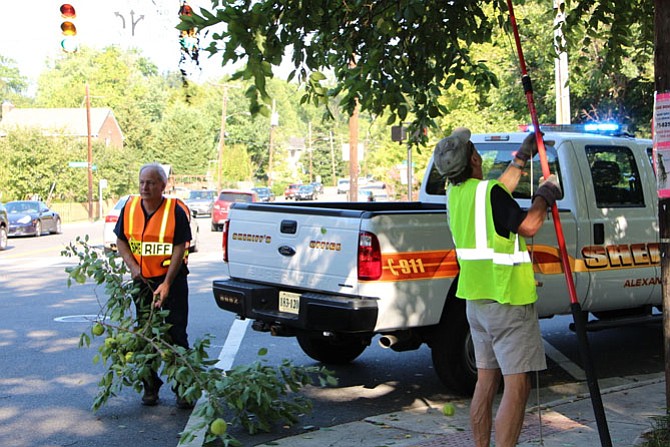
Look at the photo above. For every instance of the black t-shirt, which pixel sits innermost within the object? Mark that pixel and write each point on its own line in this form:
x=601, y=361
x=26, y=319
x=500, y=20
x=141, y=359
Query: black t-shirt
x=182, y=229
x=507, y=214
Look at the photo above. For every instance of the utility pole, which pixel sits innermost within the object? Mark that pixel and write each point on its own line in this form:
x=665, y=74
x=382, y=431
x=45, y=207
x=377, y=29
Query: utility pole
x=222, y=135
x=89, y=168
x=353, y=145
x=332, y=157
x=274, y=122
x=353, y=155
x=309, y=148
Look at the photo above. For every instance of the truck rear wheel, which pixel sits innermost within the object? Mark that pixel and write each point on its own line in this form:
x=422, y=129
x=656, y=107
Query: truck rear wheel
x=333, y=350
x=453, y=352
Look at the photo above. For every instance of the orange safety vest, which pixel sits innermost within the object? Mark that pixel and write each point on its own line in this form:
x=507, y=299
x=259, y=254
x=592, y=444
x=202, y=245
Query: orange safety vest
x=151, y=242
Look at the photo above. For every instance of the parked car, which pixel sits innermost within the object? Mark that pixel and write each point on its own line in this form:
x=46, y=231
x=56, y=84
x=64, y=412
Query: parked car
x=31, y=218
x=365, y=195
x=378, y=190
x=109, y=237
x=201, y=201
x=318, y=187
x=291, y=190
x=306, y=192
x=4, y=226
x=223, y=203
x=264, y=194
x=343, y=186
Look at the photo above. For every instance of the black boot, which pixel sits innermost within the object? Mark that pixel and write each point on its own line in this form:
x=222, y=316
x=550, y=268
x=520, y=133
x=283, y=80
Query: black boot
x=151, y=387
x=184, y=403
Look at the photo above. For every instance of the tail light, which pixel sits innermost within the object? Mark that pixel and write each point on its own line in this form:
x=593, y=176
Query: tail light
x=369, y=257
x=111, y=218
x=224, y=240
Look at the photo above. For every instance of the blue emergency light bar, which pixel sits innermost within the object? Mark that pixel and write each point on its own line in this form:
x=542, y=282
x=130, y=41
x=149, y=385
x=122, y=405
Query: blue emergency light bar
x=599, y=128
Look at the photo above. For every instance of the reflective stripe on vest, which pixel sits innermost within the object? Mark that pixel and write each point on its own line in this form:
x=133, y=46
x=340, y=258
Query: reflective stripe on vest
x=482, y=251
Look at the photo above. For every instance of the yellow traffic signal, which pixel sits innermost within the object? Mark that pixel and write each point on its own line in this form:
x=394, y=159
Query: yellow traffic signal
x=70, y=43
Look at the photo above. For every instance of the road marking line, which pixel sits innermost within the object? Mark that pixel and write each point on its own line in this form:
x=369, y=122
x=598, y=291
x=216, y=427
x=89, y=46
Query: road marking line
x=568, y=365
x=25, y=254
x=232, y=344
x=226, y=359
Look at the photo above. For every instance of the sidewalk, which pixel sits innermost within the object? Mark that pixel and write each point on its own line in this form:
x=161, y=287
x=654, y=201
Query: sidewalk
x=566, y=421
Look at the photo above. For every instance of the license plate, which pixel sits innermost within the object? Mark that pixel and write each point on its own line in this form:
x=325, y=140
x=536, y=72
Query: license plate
x=289, y=302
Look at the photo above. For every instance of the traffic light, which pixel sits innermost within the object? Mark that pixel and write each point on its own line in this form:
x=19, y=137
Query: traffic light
x=189, y=42
x=70, y=42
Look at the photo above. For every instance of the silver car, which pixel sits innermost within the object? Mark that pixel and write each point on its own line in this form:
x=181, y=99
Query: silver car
x=200, y=202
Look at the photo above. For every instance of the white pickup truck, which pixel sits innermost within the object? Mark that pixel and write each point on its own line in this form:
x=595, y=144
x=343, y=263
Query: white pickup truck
x=336, y=275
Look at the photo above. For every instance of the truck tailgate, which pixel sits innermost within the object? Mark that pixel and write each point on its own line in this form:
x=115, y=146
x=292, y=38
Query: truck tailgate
x=311, y=248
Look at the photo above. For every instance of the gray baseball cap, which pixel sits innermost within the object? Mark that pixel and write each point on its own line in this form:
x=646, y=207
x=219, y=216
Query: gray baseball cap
x=451, y=153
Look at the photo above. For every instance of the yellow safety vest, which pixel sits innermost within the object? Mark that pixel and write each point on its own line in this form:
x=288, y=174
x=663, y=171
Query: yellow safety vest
x=491, y=266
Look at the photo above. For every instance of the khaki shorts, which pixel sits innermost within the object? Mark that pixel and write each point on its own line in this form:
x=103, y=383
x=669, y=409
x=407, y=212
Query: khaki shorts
x=506, y=337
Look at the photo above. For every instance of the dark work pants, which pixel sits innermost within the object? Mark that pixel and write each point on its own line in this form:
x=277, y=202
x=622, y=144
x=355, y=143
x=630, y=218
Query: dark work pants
x=176, y=303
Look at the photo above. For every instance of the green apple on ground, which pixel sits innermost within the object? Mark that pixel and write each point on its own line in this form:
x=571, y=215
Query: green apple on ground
x=448, y=409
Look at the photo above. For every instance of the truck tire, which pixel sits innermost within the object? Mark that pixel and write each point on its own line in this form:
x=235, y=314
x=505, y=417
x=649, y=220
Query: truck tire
x=452, y=350
x=337, y=350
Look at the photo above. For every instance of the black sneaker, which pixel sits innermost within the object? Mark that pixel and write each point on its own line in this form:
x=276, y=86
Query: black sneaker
x=184, y=403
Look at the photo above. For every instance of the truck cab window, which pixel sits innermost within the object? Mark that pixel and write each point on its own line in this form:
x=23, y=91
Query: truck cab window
x=615, y=176
x=495, y=159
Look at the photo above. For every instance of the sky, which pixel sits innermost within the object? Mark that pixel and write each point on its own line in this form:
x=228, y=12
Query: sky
x=33, y=37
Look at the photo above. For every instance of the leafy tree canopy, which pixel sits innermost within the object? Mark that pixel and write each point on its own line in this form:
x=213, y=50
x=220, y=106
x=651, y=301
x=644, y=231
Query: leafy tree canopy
x=12, y=83
x=395, y=57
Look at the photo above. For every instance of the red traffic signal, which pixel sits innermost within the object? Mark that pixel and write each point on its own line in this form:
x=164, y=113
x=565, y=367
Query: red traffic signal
x=185, y=10
x=67, y=11
x=68, y=28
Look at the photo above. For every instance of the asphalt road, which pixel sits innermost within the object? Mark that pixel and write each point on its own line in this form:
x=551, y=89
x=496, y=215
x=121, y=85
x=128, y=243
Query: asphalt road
x=47, y=383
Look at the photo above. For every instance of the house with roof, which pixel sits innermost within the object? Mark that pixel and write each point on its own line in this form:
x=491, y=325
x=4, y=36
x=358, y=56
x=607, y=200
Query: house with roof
x=64, y=123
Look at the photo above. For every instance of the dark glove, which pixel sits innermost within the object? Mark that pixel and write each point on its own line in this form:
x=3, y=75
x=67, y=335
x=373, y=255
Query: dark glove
x=549, y=190
x=528, y=148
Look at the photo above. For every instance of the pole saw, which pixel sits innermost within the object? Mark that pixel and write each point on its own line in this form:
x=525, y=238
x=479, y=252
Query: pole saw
x=578, y=316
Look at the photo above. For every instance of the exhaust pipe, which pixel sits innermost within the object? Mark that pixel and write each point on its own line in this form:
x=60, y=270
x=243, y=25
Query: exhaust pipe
x=386, y=341
x=401, y=341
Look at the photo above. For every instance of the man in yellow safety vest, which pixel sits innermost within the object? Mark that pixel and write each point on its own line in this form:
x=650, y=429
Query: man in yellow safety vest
x=496, y=278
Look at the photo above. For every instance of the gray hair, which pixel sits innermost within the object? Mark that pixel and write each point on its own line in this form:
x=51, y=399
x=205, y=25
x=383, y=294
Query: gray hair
x=158, y=169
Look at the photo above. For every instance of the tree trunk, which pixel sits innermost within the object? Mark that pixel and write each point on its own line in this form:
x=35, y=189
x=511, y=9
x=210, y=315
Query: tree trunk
x=662, y=81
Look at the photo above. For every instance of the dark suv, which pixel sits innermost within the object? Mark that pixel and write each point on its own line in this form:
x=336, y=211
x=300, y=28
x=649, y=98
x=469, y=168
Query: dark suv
x=4, y=226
